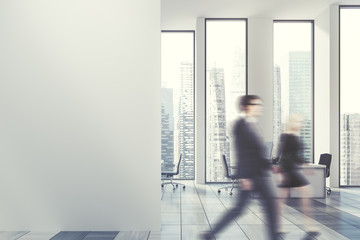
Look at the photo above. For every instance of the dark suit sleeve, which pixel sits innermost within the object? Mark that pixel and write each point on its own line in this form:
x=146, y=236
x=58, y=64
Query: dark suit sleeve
x=242, y=141
x=249, y=151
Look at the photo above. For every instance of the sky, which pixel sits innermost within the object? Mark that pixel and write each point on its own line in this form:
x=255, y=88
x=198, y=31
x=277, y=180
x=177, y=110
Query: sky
x=226, y=48
x=175, y=48
x=349, y=60
x=289, y=37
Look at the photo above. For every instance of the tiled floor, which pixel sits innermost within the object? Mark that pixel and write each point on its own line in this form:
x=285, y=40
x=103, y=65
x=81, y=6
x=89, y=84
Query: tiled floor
x=185, y=213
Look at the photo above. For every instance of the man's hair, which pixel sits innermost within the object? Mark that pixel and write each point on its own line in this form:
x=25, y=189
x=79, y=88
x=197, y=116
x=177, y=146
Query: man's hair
x=246, y=100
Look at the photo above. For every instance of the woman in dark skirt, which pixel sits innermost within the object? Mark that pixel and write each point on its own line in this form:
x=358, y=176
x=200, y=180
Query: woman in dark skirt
x=290, y=154
x=290, y=160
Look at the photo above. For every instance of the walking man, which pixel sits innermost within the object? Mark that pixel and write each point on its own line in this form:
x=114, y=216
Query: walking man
x=253, y=169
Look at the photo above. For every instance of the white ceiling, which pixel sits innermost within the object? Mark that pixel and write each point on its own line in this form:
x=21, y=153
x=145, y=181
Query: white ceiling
x=175, y=11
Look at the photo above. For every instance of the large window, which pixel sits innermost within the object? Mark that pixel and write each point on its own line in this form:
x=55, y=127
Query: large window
x=177, y=102
x=293, y=79
x=226, y=41
x=349, y=96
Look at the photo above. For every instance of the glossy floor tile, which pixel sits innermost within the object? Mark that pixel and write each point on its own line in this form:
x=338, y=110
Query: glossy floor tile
x=185, y=213
x=7, y=235
x=70, y=235
x=33, y=235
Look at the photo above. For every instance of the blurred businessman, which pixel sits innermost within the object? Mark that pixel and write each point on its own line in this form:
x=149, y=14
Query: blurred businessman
x=253, y=169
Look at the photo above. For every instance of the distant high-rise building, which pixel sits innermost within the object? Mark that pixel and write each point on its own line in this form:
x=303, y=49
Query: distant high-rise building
x=236, y=85
x=300, y=96
x=235, y=88
x=167, y=129
x=216, y=124
x=186, y=127
x=350, y=149
x=277, y=129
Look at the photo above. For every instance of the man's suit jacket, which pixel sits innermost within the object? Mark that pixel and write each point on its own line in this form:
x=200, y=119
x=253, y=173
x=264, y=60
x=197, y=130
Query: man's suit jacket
x=249, y=150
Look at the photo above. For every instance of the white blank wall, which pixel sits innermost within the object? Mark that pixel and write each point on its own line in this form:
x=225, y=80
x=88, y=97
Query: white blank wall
x=322, y=85
x=260, y=68
x=334, y=96
x=80, y=115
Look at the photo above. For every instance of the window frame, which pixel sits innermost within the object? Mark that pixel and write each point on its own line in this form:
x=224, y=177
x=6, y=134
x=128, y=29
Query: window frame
x=194, y=90
x=339, y=81
x=312, y=74
x=205, y=74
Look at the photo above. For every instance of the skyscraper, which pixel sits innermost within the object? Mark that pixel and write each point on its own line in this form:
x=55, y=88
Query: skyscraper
x=236, y=85
x=300, y=95
x=277, y=129
x=216, y=124
x=350, y=149
x=234, y=88
x=186, y=125
x=167, y=129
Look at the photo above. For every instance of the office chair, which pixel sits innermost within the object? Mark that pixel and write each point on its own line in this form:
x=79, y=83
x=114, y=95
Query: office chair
x=325, y=159
x=228, y=175
x=169, y=175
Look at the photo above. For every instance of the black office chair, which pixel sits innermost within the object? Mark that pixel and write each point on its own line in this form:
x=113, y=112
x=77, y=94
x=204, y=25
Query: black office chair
x=169, y=175
x=325, y=159
x=228, y=175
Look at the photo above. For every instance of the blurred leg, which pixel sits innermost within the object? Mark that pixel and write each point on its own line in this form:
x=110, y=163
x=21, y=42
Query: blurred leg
x=284, y=193
x=233, y=213
x=306, y=206
x=266, y=189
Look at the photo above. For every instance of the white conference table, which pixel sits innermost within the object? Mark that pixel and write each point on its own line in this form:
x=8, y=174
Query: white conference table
x=314, y=173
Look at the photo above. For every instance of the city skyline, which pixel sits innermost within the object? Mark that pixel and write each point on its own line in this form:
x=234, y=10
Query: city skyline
x=350, y=149
x=293, y=44
x=349, y=107
x=225, y=82
x=293, y=79
x=218, y=123
x=177, y=75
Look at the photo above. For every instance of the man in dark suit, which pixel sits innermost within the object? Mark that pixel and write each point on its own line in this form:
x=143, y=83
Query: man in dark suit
x=253, y=169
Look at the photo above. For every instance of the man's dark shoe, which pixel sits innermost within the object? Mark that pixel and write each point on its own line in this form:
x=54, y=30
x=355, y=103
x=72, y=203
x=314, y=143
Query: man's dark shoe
x=313, y=233
x=206, y=236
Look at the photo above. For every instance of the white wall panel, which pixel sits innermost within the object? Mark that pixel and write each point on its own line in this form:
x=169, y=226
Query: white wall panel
x=80, y=115
x=260, y=68
x=322, y=85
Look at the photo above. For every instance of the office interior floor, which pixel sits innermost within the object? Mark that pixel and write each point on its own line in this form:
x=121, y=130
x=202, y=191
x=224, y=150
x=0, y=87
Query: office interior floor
x=187, y=212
